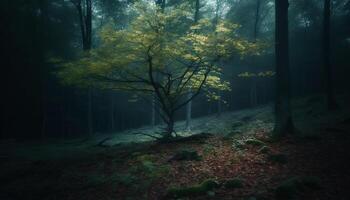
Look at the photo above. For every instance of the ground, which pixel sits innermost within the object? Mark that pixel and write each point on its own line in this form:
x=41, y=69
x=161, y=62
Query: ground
x=236, y=153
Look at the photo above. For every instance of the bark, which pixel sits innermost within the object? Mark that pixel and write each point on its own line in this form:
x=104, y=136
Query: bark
x=331, y=103
x=257, y=17
x=90, y=113
x=283, y=119
x=189, y=105
x=112, y=112
x=253, y=93
x=219, y=104
x=85, y=19
x=189, y=112
x=153, y=114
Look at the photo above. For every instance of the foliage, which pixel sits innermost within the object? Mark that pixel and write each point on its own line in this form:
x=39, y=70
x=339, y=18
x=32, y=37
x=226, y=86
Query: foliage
x=159, y=54
x=263, y=74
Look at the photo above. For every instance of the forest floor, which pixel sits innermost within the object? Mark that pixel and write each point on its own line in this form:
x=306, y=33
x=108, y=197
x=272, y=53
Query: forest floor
x=234, y=159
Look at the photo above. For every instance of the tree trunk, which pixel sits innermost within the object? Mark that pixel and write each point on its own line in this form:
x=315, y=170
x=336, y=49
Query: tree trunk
x=331, y=103
x=220, y=104
x=90, y=113
x=189, y=105
x=112, y=112
x=170, y=129
x=253, y=93
x=283, y=117
x=153, y=117
x=85, y=20
x=257, y=17
x=189, y=112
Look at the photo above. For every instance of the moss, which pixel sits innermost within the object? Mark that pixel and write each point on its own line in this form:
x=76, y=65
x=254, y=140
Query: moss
x=146, y=157
x=254, y=142
x=234, y=183
x=278, y=158
x=208, y=149
x=264, y=149
x=201, y=189
x=290, y=188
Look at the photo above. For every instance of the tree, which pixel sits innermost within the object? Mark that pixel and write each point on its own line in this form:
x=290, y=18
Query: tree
x=84, y=9
x=331, y=103
x=189, y=105
x=153, y=46
x=283, y=116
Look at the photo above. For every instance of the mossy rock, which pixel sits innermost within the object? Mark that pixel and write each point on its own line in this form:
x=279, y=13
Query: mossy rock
x=254, y=142
x=264, y=149
x=234, y=183
x=291, y=188
x=204, y=188
x=184, y=155
x=278, y=158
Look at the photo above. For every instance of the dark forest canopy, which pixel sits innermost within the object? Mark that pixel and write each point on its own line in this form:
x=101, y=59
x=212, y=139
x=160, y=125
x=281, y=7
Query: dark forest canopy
x=36, y=32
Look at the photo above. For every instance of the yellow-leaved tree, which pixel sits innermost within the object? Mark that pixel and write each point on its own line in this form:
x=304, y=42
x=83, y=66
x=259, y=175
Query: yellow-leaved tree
x=160, y=54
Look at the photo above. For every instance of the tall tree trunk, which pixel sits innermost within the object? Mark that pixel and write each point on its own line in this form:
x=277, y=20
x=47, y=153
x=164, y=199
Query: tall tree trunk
x=189, y=112
x=112, y=112
x=219, y=104
x=153, y=113
x=253, y=93
x=283, y=117
x=257, y=17
x=253, y=87
x=189, y=105
x=331, y=103
x=90, y=112
x=84, y=10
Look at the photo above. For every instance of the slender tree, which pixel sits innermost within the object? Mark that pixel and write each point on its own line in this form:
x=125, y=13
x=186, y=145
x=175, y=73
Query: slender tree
x=331, y=103
x=189, y=105
x=84, y=9
x=283, y=116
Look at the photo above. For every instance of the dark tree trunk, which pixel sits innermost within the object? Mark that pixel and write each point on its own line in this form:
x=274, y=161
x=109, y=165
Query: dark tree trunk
x=257, y=17
x=283, y=117
x=253, y=93
x=189, y=105
x=90, y=112
x=112, y=112
x=85, y=19
x=331, y=103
